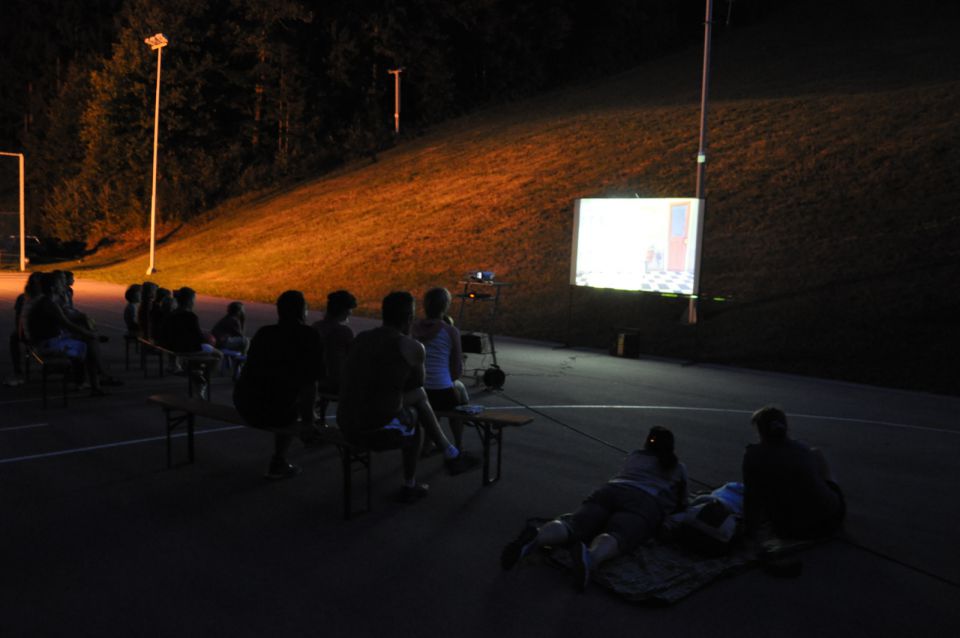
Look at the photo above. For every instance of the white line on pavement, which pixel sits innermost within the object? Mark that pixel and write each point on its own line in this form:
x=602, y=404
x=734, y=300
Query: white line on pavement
x=24, y=427
x=90, y=448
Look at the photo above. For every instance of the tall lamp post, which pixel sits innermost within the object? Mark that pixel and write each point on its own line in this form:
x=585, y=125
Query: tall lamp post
x=156, y=43
x=396, y=98
x=702, y=152
x=23, y=246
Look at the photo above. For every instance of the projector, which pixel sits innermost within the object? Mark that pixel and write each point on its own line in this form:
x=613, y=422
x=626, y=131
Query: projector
x=482, y=275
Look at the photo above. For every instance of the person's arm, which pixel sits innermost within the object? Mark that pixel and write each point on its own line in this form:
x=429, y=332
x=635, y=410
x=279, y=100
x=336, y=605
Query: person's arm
x=415, y=356
x=70, y=326
x=456, y=352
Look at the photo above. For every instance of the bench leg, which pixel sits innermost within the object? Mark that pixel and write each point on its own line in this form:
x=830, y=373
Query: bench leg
x=175, y=420
x=43, y=385
x=490, y=436
x=349, y=458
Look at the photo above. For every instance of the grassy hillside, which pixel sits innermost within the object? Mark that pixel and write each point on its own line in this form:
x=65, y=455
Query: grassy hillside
x=832, y=225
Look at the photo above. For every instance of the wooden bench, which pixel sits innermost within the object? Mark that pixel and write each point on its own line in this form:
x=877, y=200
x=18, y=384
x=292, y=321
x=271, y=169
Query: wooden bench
x=196, y=364
x=181, y=410
x=50, y=363
x=489, y=425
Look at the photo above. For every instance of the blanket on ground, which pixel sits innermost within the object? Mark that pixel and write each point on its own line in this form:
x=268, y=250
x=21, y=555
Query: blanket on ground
x=663, y=573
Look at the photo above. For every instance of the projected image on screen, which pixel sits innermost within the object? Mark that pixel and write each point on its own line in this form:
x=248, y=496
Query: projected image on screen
x=637, y=244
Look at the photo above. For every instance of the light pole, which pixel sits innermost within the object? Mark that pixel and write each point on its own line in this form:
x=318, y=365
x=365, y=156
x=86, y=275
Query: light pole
x=156, y=43
x=396, y=98
x=23, y=246
x=702, y=152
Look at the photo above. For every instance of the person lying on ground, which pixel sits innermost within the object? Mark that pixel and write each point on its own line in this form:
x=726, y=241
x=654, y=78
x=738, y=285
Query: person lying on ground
x=617, y=517
x=383, y=404
x=787, y=484
x=278, y=383
x=444, y=358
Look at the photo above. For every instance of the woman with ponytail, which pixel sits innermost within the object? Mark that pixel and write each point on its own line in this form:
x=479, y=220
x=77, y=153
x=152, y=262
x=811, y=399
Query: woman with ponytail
x=623, y=513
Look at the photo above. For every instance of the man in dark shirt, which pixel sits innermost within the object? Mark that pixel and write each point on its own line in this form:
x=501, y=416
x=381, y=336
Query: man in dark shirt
x=278, y=382
x=787, y=484
x=180, y=330
x=382, y=401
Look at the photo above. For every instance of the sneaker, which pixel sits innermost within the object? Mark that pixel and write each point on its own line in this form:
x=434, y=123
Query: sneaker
x=12, y=382
x=580, y=556
x=110, y=381
x=281, y=469
x=413, y=494
x=518, y=548
x=463, y=462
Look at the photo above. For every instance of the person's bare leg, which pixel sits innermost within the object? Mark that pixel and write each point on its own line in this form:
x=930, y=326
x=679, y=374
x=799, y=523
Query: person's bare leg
x=428, y=420
x=456, y=428
x=411, y=454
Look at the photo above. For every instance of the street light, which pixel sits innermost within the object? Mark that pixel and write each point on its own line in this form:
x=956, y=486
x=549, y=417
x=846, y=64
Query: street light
x=23, y=247
x=396, y=98
x=156, y=43
x=702, y=151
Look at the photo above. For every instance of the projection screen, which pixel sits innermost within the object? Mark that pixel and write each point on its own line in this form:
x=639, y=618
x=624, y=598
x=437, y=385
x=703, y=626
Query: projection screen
x=637, y=244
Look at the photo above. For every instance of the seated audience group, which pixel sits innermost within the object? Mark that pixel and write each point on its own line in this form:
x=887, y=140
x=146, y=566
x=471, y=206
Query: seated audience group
x=389, y=381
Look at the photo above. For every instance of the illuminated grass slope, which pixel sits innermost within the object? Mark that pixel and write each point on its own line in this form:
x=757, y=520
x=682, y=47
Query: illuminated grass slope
x=832, y=221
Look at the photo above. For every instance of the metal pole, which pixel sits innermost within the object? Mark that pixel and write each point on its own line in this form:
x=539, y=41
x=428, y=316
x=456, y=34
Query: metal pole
x=23, y=244
x=702, y=152
x=153, y=196
x=396, y=98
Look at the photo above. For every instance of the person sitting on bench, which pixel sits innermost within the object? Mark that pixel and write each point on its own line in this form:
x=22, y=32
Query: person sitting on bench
x=132, y=296
x=787, y=484
x=180, y=330
x=51, y=332
x=31, y=292
x=444, y=363
x=336, y=337
x=623, y=513
x=148, y=295
x=382, y=401
x=278, y=383
x=229, y=331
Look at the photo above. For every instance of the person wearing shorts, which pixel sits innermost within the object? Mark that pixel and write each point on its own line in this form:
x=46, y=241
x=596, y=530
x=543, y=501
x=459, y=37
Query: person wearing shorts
x=617, y=517
x=444, y=358
x=383, y=403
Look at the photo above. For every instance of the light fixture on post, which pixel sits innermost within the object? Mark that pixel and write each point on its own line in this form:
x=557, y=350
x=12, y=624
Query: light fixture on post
x=156, y=43
x=396, y=98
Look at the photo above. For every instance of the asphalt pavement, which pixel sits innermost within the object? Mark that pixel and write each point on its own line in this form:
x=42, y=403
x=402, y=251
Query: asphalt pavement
x=100, y=538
